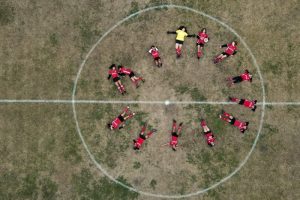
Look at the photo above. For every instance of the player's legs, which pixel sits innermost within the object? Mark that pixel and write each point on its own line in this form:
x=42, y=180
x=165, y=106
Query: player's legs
x=174, y=126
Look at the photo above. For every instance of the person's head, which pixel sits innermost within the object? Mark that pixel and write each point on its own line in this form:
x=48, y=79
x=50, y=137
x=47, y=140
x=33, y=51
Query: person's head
x=152, y=47
x=113, y=66
x=120, y=66
x=135, y=148
x=246, y=71
x=109, y=126
x=203, y=30
x=212, y=144
x=183, y=28
x=235, y=43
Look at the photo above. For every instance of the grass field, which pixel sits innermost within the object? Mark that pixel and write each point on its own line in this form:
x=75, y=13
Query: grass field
x=43, y=44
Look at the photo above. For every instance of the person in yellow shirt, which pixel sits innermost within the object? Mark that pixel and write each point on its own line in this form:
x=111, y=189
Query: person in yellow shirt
x=181, y=33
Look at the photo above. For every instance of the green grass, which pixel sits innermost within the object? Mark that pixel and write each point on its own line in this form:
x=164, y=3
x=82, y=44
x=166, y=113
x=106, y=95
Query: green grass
x=7, y=13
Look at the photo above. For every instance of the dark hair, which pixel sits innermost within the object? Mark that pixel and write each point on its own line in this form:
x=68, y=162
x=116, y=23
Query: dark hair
x=152, y=46
x=236, y=43
x=113, y=65
x=108, y=125
x=247, y=71
x=120, y=66
x=203, y=30
x=182, y=27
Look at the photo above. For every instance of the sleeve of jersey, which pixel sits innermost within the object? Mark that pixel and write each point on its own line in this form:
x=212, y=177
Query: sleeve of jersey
x=150, y=51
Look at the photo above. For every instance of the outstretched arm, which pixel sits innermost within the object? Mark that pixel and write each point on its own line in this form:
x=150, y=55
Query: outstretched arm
x=171, y=32
x=193, y=35
x=108, y=76
x=234, y=52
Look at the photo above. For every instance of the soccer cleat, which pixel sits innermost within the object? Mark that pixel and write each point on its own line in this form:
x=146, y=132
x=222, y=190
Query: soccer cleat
x=154, y=130
x=199, y=54
x=180, y=123
x=174, y=121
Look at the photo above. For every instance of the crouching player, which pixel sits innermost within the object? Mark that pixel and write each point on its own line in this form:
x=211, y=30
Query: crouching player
x=113, y=72
x=137, y=144
x=126, y=71
x=246, y=76
x=245, y=102
x=210, y=138
x=175, y=134
x=119, y=122
x=155, y=54
x=233, y=121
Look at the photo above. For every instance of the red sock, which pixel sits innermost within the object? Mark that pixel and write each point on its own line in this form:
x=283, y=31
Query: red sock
x=150, y=133
x=174, y=127
x=226, y=114
x=122, y=87
x=233, y=99
x=143, y=129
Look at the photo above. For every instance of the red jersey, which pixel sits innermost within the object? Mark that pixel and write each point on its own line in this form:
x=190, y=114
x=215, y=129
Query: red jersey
x=201, y=37
x=238, y=124
x=116, y=123
x=113, y=73
x=154, y=52
x=124, y=70
x=174, y=140
x=230, y=49
x=246, y=76
x=209, y=138
x=139, y=142
x=248, y=103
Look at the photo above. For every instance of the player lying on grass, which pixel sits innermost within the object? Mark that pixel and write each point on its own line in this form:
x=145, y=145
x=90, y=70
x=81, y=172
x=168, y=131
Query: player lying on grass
x=231, y=49
x=137, y=144
x=181, y=33
x=113, y=72
x=202, y=38
x=233, y=121
x=119, y=122
x=175, y=134
x=155, y=54
x=210, y=138
x=126, y=71
x=245, y=102
x=246, y=76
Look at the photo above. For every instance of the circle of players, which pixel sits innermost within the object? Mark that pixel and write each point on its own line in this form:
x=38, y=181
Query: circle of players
x=202, y=38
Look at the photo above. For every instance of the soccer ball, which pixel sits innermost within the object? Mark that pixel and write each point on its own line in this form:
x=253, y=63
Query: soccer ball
x=205, y=40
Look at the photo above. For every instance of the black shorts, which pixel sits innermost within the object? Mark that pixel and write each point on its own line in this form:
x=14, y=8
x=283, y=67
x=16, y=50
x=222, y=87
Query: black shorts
x=157, y=58
x=201, y=45
x=121, y=118
x=116, y=79
x=242, y=101
x=142, y=136
x=232, y=121
x=237, y=79
x=179, y=42
x=225, y=54
x=207, y=132
x=131, y=74
x=174, y=134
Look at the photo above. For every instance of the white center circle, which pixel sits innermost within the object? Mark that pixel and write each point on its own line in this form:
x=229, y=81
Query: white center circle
x=167, y=102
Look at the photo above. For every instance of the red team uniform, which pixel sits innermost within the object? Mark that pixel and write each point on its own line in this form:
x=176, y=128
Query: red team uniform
x=137, y=144
x=246, y=76
x=235, y=122
x=113, y=72
x=202, y=38
x=230, y=49
x=175, y=134
x=245, y=102
x=155, y=53
x=210, y=138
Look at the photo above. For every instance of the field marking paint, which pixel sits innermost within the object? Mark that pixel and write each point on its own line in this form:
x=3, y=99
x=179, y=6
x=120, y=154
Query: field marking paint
x=161, y=195
x=61, y=101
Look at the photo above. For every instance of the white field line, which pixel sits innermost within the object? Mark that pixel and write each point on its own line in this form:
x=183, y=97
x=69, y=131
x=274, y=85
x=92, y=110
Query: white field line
x=60, y=101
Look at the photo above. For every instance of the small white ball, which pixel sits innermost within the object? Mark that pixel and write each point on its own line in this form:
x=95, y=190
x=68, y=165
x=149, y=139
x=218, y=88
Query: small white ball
x=167, y=102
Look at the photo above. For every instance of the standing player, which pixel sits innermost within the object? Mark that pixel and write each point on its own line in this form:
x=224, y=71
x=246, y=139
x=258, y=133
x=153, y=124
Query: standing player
x=137, y=144
x=181, y=33
x=155, y=54
x=233, y=121
x=246, y=76
x=231, y=49
x=210, y=138
x=175, y=134
x=113, y=72
x=126, y=71
x=119, y=122
x=245, y=102
x=202, y=38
